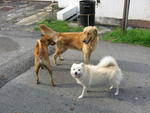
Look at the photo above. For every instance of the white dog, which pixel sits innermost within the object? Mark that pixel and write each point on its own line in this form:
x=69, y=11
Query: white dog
x=107, y=71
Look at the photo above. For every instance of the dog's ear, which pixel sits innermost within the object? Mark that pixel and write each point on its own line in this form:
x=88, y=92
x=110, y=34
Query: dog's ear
x=46, y=36
x=42, y=40
x=82, y=64
x=47, y=30
x=95, y=30
x=73, y=64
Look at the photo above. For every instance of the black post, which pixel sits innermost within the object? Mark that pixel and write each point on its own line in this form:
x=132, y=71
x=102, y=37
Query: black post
x=125, y=15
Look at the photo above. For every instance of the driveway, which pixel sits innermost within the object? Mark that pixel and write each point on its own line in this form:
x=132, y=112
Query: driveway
x=23, y=95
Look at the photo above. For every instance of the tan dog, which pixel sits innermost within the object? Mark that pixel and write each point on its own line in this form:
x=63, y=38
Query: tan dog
x=83, y=41
x=41, y=57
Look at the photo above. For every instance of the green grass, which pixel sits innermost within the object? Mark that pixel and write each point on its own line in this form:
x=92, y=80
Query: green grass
x=59, y=26
x=132, y=36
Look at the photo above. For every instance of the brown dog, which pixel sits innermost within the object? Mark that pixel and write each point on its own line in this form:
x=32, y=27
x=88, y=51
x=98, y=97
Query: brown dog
x=41, y=58
x=84, y=41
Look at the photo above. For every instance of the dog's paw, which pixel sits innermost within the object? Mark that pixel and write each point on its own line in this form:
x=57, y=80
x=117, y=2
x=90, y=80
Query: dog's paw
x=37, y=82
x=111, y=87
x=54, y=85
x=80, y=97
x=60, y=63
x=61, y=59
x=55, y=64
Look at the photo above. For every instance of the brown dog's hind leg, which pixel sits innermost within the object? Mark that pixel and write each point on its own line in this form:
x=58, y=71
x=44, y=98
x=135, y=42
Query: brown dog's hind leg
x=36, y=68
x=48, y=67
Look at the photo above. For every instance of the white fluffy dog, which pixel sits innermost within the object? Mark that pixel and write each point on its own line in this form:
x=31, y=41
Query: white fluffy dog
x=107, y=71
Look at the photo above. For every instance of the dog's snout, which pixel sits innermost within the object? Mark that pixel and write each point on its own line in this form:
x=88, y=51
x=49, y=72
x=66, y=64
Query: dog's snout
x=76, y=73
x=85, y=41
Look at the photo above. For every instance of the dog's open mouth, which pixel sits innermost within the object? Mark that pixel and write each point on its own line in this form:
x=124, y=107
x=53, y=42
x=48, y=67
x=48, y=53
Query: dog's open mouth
x=77, y=75
x=86, y=41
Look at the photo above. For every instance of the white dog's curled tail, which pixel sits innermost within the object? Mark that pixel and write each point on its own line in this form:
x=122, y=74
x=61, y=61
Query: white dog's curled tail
x=107, y=62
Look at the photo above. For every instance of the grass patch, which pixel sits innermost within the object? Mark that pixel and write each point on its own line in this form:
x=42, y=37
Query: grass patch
x=132, y=36
x=59, y=26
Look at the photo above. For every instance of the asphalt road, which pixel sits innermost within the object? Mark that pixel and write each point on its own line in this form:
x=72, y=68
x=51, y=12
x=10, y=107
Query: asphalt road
x=23, y=95
x=16, y=53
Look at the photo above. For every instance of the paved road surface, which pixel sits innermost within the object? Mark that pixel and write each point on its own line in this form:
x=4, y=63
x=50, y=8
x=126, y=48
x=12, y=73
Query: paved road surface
x=23, y=95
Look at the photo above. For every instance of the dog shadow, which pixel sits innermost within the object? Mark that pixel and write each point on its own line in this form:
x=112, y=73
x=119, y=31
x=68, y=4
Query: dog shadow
x=67, y=85
x=134, y=67
x=45, y=84
x=61, y=85
x=135, y=95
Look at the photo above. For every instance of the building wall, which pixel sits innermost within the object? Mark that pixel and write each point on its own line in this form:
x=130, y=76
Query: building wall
x=66, y=3
x=139, y=9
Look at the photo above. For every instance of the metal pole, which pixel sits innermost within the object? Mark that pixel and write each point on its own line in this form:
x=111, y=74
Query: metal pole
x=125, y=14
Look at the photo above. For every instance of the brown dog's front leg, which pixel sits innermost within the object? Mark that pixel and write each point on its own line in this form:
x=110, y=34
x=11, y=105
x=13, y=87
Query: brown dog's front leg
x=86, y=57
x=55, y=58
x=57, y=53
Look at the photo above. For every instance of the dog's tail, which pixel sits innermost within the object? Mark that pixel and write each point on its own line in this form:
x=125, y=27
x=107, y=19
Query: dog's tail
x=40, y=47
x=107, y=61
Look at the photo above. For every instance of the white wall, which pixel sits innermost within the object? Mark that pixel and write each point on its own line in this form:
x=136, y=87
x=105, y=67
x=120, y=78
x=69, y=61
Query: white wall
x=139, y=9
x=109, y=8
x=65, y=3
